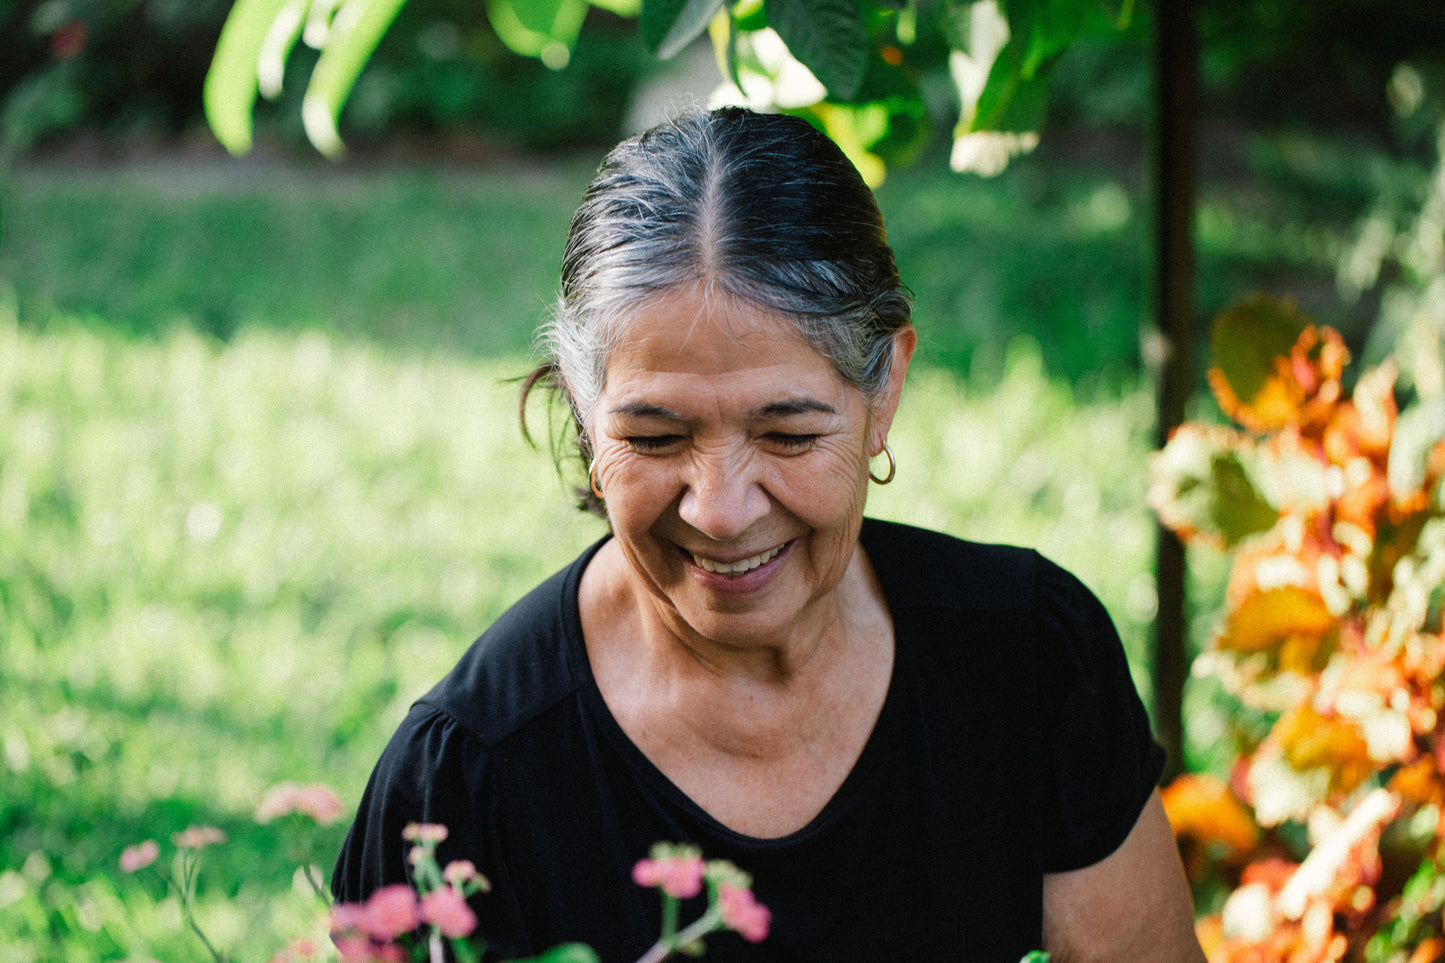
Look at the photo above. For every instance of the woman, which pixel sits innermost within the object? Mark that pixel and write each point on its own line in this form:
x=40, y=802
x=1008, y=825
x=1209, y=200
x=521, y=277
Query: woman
x=920, y=748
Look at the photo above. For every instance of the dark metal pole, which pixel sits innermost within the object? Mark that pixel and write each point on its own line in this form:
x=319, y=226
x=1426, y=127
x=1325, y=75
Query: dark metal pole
x=1176, y=59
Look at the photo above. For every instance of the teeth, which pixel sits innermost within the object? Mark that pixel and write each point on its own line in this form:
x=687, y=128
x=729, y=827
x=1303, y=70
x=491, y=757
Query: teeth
x=736, y=568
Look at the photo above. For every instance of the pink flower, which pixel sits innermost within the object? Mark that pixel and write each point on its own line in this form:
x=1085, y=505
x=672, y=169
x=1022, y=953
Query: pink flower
x=391, y=911
x=279, y=801
x=321, y=804
x=301, y=948
x=459, y=872
x=424, y=833
x=138, y=857
x=448, y=911
x=198, y=837
x=743, y=913
x=348, y=918
x=315, y=801
x=354, y=949
x=679, y=876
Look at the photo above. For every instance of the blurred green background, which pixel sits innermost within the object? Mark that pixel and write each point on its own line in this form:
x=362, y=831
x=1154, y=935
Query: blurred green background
x=261, y=478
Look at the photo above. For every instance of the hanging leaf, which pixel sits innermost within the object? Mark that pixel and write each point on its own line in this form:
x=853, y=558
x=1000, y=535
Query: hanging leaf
x=1011, y=101
x=668, y=26
x=1043, y=29
x=229, y=95
x=354, y=34
x=826, y=36
x=276, y=48
x=545, y=29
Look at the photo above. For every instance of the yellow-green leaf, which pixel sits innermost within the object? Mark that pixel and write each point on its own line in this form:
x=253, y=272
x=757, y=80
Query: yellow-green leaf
x=545, y=29
x=1249, y=337
x=355, y=32
x=229, y=94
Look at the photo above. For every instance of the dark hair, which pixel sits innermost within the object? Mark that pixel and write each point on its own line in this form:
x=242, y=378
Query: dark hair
x=761, y=207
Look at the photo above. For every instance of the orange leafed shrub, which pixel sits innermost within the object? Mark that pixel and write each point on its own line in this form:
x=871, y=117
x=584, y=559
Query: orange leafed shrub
x=1328, y=839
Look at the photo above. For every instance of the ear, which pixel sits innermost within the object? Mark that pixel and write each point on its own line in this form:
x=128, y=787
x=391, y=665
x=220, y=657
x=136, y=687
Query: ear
x=905, y=339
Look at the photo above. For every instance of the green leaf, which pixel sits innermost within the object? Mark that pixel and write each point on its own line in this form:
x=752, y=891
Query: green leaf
x=1247, y=338
x=669, y=25
x=1043, y=29
x=1010, y=100
x=566, y=953
x=229, y=95
x=546, y=29
x=277, y=46
x=749, y=15
x=1203, y=483
x=355, y=32
x=826, y=36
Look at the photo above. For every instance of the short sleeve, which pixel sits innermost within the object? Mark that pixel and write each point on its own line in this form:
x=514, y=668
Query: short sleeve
x=1100, y=759
x=430, y=772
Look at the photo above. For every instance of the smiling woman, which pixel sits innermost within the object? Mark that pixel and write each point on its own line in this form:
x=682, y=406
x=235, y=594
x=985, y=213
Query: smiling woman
x=921, y=748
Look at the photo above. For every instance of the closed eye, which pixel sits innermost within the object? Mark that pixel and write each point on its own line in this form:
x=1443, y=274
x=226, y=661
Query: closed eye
x=652, y=443
x=791, y=442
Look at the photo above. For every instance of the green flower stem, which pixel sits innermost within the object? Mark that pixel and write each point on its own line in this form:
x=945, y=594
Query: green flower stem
x=183, y=890
x=669, y=917
x=668, y=944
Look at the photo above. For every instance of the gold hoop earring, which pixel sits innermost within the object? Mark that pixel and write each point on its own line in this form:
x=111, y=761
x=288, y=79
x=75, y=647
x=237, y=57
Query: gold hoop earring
x=892, y=467
x=592, y=478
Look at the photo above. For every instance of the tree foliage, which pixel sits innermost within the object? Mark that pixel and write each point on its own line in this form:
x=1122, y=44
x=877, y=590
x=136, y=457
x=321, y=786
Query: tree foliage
x=850, y=66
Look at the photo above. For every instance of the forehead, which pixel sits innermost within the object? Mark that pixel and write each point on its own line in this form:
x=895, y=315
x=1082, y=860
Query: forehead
x=692, y=331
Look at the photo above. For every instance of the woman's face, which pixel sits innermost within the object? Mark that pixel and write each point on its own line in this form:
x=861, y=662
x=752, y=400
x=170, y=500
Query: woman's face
x=734, y=463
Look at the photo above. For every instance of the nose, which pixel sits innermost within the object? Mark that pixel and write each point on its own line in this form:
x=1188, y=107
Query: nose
x=723, y=496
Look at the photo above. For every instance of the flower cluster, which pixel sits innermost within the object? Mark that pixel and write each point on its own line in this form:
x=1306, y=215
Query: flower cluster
x=315, y=802
x=1332, y=504
x=679, y=873
x=438, y=904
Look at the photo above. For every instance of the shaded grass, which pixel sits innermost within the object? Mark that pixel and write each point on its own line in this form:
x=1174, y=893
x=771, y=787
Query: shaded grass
x=423, y=259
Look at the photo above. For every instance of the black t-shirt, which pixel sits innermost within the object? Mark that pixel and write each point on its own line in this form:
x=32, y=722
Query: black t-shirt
x=1011, y=743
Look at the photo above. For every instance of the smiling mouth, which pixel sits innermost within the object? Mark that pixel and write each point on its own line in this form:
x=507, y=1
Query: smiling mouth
x=739, y=567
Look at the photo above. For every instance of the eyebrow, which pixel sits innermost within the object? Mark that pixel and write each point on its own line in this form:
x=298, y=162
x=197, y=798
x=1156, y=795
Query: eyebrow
x=643, y=409
x=773, y=409
x=795, y=406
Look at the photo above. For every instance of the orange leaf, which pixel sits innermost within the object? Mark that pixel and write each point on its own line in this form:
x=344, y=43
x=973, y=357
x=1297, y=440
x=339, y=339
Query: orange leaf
x=1312, y=741
x=1202, y=807
x=1287, y=618
x=1419, y=782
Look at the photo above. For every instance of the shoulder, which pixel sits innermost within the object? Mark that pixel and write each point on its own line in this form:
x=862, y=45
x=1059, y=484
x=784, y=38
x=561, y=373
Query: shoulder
x=918, y=564
x=523, y=664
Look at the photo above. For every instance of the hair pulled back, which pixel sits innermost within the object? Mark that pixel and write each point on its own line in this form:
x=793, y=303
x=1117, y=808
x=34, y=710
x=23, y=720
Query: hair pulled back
x=759, y=207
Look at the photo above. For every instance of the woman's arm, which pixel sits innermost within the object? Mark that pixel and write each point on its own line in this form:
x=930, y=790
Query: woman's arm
x=1132, y=905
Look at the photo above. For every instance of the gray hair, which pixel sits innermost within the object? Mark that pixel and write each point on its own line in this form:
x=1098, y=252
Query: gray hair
x=753, y=206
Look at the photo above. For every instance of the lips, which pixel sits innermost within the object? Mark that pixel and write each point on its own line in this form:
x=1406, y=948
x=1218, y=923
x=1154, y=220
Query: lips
x=739, y=567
